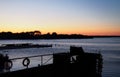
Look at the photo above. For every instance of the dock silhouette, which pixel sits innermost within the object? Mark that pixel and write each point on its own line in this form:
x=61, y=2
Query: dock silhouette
x=75, y=63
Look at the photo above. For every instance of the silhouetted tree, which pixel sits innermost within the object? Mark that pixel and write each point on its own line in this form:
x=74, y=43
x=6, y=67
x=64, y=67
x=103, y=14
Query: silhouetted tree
x=54, y=34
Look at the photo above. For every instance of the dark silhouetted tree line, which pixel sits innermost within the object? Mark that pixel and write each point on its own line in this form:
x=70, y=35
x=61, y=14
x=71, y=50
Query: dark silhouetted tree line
x=38, y=35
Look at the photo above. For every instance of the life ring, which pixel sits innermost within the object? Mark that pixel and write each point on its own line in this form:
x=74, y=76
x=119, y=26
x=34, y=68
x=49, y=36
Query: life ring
x=8, y=64
x=26, y=62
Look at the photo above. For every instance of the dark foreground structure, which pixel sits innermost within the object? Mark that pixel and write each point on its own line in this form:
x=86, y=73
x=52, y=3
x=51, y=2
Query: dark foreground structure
x=76, y=63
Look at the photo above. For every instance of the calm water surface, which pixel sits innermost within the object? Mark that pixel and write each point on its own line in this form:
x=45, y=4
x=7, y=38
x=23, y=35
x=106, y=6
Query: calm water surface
x=109, y=47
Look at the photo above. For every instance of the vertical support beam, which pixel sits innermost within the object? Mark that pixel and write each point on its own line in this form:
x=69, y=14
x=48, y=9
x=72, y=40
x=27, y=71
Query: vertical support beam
x=41, y=60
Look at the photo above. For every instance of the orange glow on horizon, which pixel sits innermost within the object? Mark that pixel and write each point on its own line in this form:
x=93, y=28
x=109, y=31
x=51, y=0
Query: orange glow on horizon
x=65, y=31
x=87, y=29
x=69, y=32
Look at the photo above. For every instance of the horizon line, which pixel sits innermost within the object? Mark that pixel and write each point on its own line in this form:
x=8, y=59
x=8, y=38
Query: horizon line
x=65, y=33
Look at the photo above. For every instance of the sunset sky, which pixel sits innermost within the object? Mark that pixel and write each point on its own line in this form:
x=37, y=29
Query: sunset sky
x=89, y=17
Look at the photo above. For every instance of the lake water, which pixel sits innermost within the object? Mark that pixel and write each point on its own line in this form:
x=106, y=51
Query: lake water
x=109, y=47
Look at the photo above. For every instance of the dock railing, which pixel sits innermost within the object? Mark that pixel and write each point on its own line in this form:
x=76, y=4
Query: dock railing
x=26, y=61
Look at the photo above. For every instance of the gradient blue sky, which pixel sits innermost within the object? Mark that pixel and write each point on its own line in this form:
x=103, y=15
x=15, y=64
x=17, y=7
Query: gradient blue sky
x=91, y=17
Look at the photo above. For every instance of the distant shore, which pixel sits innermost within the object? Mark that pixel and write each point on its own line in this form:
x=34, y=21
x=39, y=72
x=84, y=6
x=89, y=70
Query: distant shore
x=38, y=35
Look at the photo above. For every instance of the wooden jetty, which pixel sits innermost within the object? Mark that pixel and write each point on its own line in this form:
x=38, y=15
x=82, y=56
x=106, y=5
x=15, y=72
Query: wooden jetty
x=75, y=63
x=24, y=45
